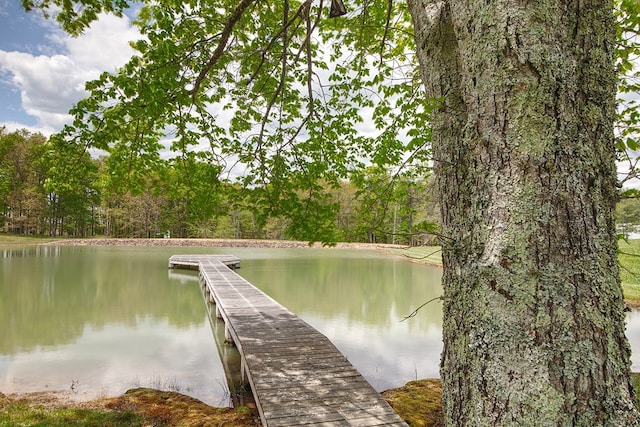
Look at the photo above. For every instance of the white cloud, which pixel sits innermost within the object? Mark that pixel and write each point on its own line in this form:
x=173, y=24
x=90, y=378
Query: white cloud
x=50, y=85
x=13, y=126
x=105, y=46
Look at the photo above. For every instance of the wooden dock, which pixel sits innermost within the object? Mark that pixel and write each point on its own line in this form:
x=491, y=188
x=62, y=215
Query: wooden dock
x=297, y=376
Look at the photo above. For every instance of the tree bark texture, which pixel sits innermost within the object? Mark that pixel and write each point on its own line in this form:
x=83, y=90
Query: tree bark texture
x=525, y=164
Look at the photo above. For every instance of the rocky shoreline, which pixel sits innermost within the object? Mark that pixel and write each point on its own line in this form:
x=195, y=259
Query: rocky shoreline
x=220, y=243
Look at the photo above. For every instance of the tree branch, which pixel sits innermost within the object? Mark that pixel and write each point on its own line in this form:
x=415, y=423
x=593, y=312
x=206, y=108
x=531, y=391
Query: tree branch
x=222, y=44
x=307, y=45
x=415, y=312
x=303, y=7
x=386, y=30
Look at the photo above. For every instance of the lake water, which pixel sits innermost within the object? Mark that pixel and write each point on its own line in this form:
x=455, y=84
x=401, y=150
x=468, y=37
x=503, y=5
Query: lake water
x=96, y=321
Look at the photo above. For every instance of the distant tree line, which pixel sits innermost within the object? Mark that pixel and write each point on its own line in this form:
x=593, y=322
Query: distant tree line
x=47, y=189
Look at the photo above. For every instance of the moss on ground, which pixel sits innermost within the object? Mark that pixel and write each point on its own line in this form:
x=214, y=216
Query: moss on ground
x=137, y=407
x=418, y=402
x=175, y=409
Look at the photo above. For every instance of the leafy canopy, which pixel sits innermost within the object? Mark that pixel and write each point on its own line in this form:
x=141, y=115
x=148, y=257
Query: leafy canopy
x=282, y=98
x=286, y=100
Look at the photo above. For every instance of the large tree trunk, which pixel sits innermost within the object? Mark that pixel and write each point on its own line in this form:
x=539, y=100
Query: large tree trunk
x=524, y=158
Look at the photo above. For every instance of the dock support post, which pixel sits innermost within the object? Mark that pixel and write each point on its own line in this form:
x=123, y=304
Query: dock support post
x=227, y=334
x=243, y=371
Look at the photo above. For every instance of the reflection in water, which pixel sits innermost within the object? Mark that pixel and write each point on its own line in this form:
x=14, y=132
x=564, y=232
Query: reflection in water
x=105, y=319
x=98, y=321
x=239, y=391
x=357, y=300
x=110, y=360
x=48, y=295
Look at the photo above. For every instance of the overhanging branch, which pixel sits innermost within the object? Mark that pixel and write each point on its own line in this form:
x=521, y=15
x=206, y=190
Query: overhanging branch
x=222, y=44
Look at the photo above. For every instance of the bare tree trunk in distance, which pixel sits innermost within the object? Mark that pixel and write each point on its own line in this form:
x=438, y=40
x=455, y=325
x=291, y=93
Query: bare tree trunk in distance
x=525, y=164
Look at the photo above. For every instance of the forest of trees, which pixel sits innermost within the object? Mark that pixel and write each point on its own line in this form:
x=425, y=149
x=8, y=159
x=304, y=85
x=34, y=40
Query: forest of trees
x=186, y=197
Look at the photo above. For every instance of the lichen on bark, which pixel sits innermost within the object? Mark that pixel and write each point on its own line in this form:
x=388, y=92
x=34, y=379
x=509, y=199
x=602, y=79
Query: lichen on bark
x=525, y=165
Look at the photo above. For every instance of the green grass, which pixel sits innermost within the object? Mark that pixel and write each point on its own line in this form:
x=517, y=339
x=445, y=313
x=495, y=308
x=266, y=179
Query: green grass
x=635, y=382
x=24, y=414
x=629, y=259
x=137, y=407
x=12, y=239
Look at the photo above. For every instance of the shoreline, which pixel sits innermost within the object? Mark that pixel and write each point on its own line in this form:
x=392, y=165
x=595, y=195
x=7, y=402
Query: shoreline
x=218, y=243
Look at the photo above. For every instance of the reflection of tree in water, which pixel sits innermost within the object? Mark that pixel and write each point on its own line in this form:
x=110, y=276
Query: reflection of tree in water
x=49, y=295
x=369, y=290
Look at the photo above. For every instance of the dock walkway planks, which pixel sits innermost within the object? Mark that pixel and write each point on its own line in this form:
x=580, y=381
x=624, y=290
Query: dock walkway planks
x=297, y=376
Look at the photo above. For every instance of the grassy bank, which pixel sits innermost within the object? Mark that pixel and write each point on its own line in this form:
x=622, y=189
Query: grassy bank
x=10, y=240
x=424, y=254
x=629, y=259
x=137, y=407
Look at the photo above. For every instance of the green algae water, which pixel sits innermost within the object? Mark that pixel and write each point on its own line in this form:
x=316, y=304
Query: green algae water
x=96, y=321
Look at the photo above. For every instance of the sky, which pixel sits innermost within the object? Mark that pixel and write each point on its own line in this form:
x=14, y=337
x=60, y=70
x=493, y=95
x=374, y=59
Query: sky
x=43, y=70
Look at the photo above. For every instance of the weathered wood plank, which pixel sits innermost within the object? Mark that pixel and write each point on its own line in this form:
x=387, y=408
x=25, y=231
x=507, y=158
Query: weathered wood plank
x=297, y=376
x=185, y=261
